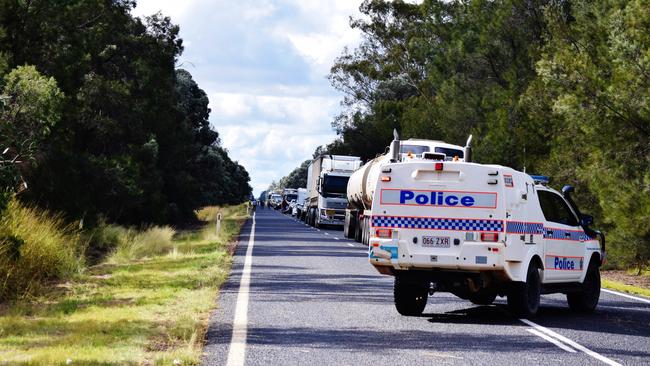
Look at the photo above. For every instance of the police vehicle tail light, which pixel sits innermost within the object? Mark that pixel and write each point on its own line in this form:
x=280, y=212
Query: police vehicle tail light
x=385, y=178
x=439, y=166
x=384, y=233
x=490, y=237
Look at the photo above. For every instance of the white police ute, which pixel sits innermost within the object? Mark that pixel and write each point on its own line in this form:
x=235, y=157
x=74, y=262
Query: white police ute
x=481, y=231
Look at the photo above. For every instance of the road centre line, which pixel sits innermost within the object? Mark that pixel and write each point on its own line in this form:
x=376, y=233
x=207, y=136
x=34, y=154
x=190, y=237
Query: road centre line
x=626, y=295
x=571, y=343
x=552, y=340
x=237, y=351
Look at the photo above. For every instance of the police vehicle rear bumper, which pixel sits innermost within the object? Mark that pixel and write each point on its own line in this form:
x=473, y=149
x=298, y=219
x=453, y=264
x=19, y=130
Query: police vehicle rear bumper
x=471, y=256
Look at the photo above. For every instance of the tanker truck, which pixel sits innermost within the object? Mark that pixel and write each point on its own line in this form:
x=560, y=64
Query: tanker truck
x=327, y=180
x=362, y=183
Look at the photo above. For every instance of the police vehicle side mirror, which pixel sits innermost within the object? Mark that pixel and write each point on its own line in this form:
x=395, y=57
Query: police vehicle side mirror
x=567, y=190
x=586, y=220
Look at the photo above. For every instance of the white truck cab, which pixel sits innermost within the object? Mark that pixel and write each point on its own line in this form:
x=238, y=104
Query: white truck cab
x=479, y=231
x=413, y=149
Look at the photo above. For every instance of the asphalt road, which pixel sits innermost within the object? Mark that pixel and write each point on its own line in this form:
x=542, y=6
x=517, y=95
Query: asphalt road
x=309, y=297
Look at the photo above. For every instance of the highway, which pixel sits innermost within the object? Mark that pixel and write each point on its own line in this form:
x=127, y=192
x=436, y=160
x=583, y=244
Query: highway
x=302, y=296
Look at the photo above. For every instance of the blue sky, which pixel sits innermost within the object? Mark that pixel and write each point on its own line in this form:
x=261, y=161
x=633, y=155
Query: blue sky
x=263, y=65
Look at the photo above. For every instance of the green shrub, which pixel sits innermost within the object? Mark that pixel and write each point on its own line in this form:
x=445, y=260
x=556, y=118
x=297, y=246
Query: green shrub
x=36, y=247
x=104, y=239
x=132, y=244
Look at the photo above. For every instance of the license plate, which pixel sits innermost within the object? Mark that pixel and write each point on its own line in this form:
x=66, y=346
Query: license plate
x=330, y=212
x=436, y=241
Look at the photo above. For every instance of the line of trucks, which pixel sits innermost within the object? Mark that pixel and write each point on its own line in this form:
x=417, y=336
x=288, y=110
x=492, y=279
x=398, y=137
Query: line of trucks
x=438, y=222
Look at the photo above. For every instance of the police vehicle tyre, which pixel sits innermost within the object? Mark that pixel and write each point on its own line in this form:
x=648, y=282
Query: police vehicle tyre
x=484, y=296
x=586, y=299
x=523, y=299
x=410, y=298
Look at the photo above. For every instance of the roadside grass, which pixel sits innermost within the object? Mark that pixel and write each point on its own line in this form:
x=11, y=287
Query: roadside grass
x=36, y=248
x=630, y=289
x=147, y=311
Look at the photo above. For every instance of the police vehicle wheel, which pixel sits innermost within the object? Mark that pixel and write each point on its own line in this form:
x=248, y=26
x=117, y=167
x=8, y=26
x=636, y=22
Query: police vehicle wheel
x=586, y=299
x=484, y=296
x=523, y=299
x=410, y=298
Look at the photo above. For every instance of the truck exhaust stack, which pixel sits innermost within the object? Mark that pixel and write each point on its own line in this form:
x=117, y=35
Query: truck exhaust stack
x=394, y=147
x=468, y=149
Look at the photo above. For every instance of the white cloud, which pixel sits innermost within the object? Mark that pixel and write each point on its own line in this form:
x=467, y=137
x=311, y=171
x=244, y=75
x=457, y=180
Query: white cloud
x=175, y=8
x=230, y=104
x=329, y=33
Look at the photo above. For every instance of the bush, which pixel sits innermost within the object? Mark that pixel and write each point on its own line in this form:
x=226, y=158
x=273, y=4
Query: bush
x=36, y=247
x=132, y=244
x=104, y=239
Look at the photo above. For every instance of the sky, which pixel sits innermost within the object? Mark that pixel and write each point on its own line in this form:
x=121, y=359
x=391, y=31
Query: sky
x=264, y=66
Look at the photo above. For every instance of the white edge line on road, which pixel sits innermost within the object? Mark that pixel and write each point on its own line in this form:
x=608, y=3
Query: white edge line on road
x=571, y=343
x=350, y=245
x=336, y=238
x=625, y=295
x=327, y=233
x=552, y=340
x=237, y=351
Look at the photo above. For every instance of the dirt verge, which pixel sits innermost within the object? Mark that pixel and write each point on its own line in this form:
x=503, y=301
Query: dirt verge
x=626, y=278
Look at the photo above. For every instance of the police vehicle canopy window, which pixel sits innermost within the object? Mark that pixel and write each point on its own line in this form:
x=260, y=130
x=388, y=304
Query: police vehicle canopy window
x=450, y=153
x=416, y=150
x=555, y=209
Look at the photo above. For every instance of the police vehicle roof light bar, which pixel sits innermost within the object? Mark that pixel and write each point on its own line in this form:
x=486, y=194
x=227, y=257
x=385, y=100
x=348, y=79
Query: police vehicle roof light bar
x=540, y=179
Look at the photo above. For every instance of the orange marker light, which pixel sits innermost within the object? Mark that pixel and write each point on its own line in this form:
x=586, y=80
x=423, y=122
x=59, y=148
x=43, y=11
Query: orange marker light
x=385, y=178
x=490, y=237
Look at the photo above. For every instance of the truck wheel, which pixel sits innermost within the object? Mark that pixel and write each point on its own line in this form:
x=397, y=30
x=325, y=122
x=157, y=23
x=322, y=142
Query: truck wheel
x=523, y=298
x=410, y=298
x=357, y=231
x=484, y=296
x=366, y=231
x=586, y=299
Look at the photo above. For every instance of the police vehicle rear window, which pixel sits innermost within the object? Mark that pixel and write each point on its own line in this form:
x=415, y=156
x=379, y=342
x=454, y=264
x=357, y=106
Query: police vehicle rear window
x=555, y=209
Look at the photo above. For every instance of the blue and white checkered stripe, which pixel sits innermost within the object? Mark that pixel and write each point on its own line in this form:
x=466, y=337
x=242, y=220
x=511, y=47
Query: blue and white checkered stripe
x=561, y=234
x=435, y=223
x=520, y=227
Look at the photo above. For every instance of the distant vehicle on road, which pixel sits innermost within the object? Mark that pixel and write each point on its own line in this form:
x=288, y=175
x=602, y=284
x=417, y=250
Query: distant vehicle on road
x=288, y=195
x=327, y=180
x=298, y=208
x=275, y=200
x=480, y=231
